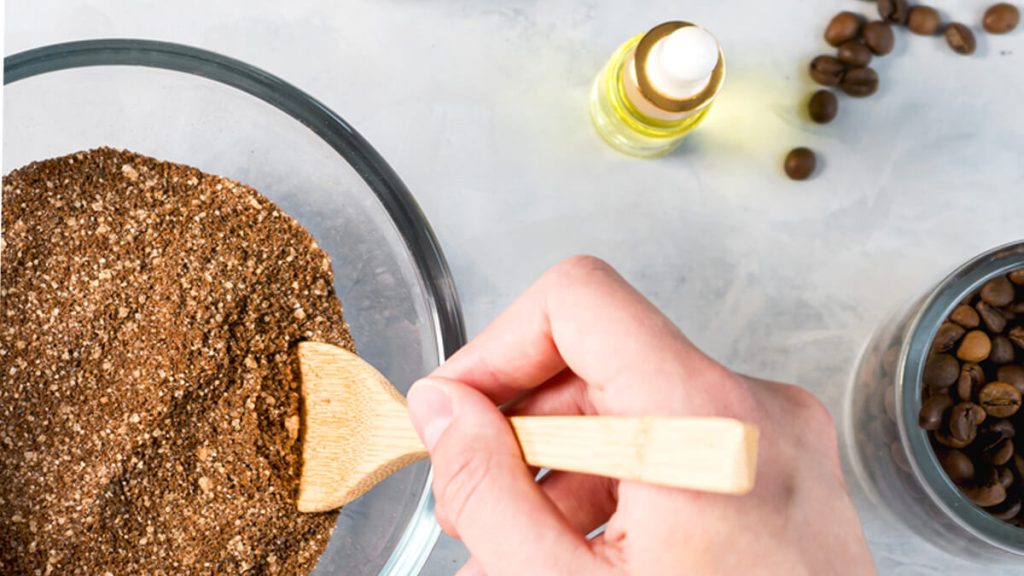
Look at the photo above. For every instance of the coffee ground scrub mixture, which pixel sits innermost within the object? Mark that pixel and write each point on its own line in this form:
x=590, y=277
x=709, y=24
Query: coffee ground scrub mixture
x=149, y=406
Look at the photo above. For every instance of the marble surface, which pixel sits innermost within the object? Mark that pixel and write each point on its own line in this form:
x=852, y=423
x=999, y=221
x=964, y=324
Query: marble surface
x=481, y=108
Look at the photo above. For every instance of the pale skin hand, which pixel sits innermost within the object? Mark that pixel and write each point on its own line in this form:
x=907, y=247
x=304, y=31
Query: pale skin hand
x=582, y=341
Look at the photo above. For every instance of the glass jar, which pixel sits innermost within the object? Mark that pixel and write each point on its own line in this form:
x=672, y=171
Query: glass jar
x=891, y=455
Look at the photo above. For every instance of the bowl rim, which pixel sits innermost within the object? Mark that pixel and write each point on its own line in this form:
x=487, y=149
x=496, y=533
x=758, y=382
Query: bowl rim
x=418, y=539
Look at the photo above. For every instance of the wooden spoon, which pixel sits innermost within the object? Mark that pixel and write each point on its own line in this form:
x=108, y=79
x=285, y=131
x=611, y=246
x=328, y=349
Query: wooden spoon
x=356, y=432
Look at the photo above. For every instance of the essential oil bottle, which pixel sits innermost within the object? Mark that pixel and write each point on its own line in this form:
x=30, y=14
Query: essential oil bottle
x=656, y=88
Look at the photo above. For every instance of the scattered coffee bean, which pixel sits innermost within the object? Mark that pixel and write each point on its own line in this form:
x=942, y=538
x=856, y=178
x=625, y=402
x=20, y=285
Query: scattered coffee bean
x=878, y=37
x=1002, y=350
x=895, y=11
x=800, y=163
x=1016, y=336
x=993, y=318
x=964, y=420
x=860, y=82
x=940, y=372
x=1013, y=374
x=947, y=336
x=843, y=26
x=971, y=379
x=965, y=316
x=975, y=347
x=998, y=399
x=1008, y=510
x=1017, y=277
x=933, y=411
x=854, y=53
x=958, y=466
x=1001, y=18
x=822, y=106
x=998, y=291
x=924, y=20
x=827, y=70
x=960, y=38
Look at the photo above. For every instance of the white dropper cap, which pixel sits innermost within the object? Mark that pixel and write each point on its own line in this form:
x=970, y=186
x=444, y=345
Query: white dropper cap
x=680, y=64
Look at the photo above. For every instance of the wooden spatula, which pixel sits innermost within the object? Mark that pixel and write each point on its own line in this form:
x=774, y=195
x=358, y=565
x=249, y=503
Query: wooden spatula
x=356, y=432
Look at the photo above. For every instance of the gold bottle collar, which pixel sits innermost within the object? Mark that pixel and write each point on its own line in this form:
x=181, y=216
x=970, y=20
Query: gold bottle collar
x=643, y=51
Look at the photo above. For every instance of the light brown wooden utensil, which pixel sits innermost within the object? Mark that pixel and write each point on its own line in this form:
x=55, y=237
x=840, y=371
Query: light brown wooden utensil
x=356, y=432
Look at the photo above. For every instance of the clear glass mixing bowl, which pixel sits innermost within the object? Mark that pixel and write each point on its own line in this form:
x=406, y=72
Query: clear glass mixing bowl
x=225, y=117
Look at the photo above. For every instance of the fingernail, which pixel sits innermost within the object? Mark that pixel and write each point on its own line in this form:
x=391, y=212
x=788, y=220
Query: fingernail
x=430, y=409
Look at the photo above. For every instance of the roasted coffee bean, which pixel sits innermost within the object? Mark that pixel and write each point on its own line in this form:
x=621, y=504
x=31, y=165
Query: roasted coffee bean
x=1013, y=374
x=975, y=347
x=1008, y=510
x=942, y=436
x=1001, y=426
x=940, y=372
x=859, y=82
x=889, y=404
x=1017, y=277
x=1001, y=18
x=1016, y=335
x=890, y=358
x=878, y=37
x=991, y=317
x=998, y=291
x=947, y=336
x=1000, y=453
x=827, y=70
x=933, y=410
x=924, y=20
x=970, y=381
x=899, y=456
x=1006, y=477
x=999, y=399
x=800, y=163
x=1002, y=350
x=895, y=11
x=965, y=316
x=958, y=466
x=823, y=106
x=964, y=420
x=985, y=495
x=1017, y=464
x=960, y=38
x=854, y=53
x=843, y=26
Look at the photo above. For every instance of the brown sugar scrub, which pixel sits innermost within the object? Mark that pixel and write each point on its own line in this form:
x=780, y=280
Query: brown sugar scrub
x=149, y=401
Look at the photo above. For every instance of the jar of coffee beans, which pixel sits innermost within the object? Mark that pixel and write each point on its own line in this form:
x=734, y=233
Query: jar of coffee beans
x=935, y=427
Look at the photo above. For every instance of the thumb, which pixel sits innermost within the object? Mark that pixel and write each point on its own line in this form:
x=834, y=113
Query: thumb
x=485, y=494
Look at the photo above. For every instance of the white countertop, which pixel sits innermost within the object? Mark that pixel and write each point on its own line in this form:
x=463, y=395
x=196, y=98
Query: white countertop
x=481, y=108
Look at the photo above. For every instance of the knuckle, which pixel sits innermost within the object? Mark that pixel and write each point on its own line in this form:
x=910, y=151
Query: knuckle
x=582, y=265
x=460, y=486
x=813, y=414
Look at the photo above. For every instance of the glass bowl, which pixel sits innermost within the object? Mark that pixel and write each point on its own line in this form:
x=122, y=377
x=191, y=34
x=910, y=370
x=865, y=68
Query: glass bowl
x=225, y=117
x=892, y=456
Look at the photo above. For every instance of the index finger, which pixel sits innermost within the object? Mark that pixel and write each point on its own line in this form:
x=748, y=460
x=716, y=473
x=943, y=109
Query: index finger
x=584, y=316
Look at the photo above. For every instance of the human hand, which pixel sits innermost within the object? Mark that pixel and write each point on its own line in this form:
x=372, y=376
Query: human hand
x=583, y=341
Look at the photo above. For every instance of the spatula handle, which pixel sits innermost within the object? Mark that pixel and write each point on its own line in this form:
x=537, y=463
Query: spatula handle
x=707, y=454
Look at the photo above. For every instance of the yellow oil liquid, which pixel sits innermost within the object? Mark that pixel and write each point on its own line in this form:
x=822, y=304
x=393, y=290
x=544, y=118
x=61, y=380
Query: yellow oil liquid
x=618, y=121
